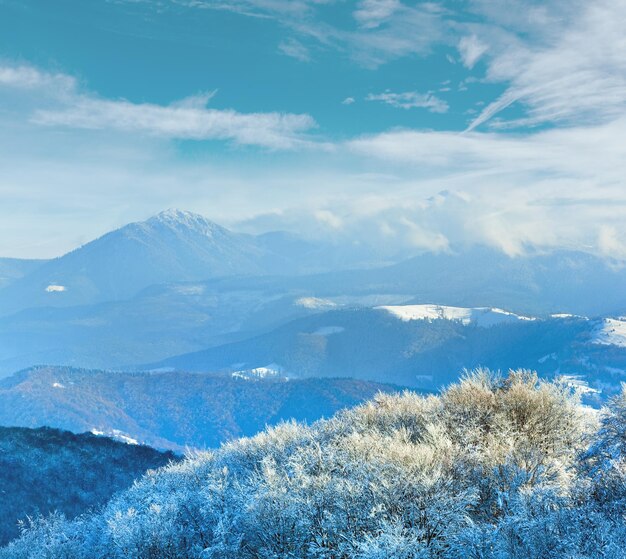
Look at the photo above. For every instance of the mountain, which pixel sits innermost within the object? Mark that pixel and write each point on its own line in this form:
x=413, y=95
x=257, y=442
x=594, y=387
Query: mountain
x=12, y=269
x=537, y=283
x=159, y=322
x=171, y=246
x=425, y=346
x=170, y=410
x=46, y=470
x=178, y=283
x=494, y=467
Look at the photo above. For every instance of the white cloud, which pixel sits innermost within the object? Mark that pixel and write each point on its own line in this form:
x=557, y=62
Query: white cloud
x=295, y=49
x=583, y=152
x=411, y=100
x=348, y=101
x=471, y=49
x=573, y=70
x=30, y=78
x=422, y=238
x=329, y=218
x=555, y=187
x=611, y=243
x=181, y=121
x=190, y=118
x=372, y=13
x=387, y=29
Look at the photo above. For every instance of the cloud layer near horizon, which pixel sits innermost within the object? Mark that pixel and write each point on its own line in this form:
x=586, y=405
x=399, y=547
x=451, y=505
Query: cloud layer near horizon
x=548, y=175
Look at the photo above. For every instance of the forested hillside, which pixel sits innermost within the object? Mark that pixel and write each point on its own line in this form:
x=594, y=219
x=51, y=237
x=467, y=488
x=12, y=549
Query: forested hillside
x=171, y=410
x=493, y=467
x=46, y=470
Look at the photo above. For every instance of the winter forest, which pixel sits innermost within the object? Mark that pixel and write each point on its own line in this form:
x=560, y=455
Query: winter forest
x=494, y=467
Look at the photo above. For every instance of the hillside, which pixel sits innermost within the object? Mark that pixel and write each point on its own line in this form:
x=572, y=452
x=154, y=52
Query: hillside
x=12, y=269
x=425, y=346
x=45, y=470
x=171, y=246
x=150, y=292
x=159, y=322
x=492, y=468
x=170, y=409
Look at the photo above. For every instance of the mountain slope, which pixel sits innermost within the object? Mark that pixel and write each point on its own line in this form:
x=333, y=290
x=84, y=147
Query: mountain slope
x=12, y=269
x=169, y=410
x=159, y=322
x=538, y=284
x=172, y=246
x=46, y=470
x=145, y=312
x=425, y=346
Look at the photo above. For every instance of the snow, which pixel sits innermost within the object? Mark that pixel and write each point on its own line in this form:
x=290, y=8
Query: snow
x=53, y=288
x=481, y=316
x=328, y=330
x=578, y=383
x=122, y=437
x=268, y=371
x=182, y=220
x=611, y=331
x=115, y=434
x=315, y=303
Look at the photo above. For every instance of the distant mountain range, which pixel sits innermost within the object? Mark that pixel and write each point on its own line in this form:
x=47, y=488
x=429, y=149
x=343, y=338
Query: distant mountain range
x=173, y=246
x=47, y=470
x=178, y=283
x=170, y=410
x=425, y=346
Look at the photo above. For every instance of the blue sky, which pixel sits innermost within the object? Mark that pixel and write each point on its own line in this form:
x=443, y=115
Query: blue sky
x=420, y=124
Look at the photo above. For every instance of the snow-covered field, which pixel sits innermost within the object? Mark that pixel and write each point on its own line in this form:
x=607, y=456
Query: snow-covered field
x=611, y=331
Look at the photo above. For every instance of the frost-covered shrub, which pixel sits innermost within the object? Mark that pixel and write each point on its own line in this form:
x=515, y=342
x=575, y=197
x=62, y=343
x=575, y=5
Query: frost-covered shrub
x=493, y=468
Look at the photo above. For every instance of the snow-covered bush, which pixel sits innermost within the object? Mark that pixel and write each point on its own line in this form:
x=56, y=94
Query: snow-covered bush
x=492, y=468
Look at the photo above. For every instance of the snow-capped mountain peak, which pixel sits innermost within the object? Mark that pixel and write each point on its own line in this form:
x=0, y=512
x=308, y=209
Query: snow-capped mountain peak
x=480, y=316
x=181, y=219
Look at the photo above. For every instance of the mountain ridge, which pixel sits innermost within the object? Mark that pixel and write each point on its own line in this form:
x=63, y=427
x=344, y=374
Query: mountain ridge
x=170, y=410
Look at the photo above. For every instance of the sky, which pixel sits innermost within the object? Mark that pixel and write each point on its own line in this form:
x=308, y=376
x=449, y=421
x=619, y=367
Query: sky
x=417, y=125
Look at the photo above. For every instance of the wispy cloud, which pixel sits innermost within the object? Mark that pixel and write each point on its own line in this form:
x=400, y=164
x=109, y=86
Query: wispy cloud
x=505, y=182
x=575, y=72
x=385, y=29
x=411, y=100
x=188, y=118
x=31, y=79
x=471, y=49
x=372, y=13
x=295, y=49
x=181, y=121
